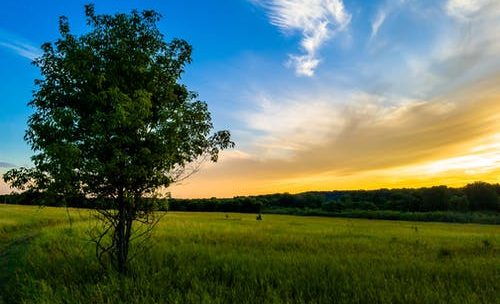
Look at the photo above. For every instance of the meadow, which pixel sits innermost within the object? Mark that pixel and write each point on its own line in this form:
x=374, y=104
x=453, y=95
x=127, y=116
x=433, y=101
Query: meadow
x=46, y=257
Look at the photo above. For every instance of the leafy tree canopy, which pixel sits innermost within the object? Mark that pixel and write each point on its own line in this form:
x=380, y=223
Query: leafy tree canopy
x=110, y=113
x=112, y=121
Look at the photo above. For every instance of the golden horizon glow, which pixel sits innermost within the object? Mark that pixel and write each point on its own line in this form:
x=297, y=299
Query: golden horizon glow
x=415, y=145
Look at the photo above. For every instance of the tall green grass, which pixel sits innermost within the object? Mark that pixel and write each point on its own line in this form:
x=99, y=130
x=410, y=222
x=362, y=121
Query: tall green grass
x=211, y=258
x=490, y=217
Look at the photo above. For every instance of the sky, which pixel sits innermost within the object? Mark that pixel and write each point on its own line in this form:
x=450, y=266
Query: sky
x=317, y=94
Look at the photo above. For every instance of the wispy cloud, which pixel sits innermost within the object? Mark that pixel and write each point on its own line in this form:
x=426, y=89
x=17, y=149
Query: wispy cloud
x=377, y=22
x=19, y=45
x=316, y=20
x=466, y=9
x=466, y=53
x=451, y=139
x=292, y=131
x=422, y=111
x=6, y=165
x=383, y=13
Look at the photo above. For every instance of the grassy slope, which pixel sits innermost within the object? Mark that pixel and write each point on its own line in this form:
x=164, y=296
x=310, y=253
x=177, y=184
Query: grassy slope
x=204, y=257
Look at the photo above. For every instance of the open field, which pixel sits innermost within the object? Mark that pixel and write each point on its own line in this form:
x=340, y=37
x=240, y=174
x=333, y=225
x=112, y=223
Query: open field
x=208, y=258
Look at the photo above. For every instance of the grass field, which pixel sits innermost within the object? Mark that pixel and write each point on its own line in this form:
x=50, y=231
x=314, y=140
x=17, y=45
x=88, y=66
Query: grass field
x=208, y=258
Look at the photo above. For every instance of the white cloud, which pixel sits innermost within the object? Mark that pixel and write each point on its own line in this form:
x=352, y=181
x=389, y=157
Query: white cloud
x=458, y=55
x=475, y=160
x=316, y=20
x=377, y=22
x=467, y=49
x=465, y=9
x=288, y=125
x=304, y=65
x=19, y=46
x=383, y=13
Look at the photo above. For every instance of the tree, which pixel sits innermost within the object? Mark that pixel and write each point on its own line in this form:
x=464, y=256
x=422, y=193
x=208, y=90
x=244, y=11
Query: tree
x=482, y=196
x=459, y=203
x=112, y=122
x=435, y=198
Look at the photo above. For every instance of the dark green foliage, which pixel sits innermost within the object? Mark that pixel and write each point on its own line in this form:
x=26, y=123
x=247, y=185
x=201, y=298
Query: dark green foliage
x=435, y=198
x=441, y=204
x=310, y=200
x=112, y=121
x=334, y=206
x=430, y=216
x=459, y=203
x=237, y=204
x=482, y=196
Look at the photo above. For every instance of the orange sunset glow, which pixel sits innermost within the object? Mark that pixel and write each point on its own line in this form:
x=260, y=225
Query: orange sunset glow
x=451, y=140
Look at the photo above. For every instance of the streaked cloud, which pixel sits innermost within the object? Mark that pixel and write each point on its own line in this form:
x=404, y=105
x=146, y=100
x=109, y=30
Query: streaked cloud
x=383, y=12
x=316, y=20
x=467, y=49
x=470, y=164
x=452, y=139
x=284, y=124
x=377, y=22
x=434, y=121
x=466, y=9
x=19, y=45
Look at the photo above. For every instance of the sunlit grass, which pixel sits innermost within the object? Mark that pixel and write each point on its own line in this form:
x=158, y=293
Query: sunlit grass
x=208, y=257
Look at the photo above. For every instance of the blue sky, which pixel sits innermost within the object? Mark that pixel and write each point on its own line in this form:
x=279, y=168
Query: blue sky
x=318, y=94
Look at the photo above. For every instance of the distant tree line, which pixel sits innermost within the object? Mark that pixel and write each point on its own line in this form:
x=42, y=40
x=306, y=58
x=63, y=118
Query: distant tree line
x=477, y=196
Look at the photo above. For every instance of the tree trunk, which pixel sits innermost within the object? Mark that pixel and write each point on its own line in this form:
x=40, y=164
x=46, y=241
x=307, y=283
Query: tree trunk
x=122, y=234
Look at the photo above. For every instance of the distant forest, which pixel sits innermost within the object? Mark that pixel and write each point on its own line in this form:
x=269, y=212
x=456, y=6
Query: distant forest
x=477, y=196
